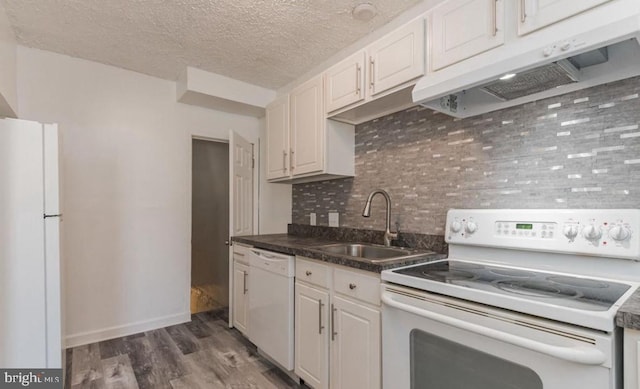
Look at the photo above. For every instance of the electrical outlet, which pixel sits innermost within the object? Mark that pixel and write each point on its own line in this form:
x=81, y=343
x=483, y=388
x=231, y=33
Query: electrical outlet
x=312, y=218
x=334, y=219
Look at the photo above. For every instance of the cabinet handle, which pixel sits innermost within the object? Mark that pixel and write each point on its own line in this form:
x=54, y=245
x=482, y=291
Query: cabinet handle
x=494, y=15
x=523, y=12
x=320, y=326
x=308, y=273
x=358, y=74
x=352, y=286
x=284, y=160
x=291, y=159
x=333, y=325
x=371, y=70
x=244, y=282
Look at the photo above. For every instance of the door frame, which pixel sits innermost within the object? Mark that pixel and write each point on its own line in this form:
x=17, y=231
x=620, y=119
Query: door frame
x=189, y=185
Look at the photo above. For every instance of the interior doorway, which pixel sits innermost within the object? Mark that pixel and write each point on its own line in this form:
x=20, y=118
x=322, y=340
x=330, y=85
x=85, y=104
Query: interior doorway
x=209, y=225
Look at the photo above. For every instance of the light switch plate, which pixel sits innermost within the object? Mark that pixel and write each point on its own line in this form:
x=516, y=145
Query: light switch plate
x=334, y=219
x=312, y=218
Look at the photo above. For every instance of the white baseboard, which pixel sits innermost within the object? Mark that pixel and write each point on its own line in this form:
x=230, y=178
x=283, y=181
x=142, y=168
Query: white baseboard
x=124, y=330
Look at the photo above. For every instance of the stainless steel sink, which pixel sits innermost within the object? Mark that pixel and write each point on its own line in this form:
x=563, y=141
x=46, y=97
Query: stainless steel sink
x=372, y=253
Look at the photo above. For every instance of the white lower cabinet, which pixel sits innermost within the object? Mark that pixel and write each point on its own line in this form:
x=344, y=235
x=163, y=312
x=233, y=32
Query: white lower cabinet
x=240, y=295
x=311, y=329
x=355, y=345
x=631, y=359
x=337, y=322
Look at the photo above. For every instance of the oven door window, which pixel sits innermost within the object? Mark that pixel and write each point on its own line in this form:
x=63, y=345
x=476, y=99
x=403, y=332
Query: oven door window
x=440, y=363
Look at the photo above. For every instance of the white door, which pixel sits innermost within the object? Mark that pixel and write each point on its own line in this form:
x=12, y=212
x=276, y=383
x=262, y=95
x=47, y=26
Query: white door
x=344, y=82
x=278, y=159
x=240, y=196
x=464, y=28
x=355, y=346
x=241, y=186
x=311, y=333
x=397, y=58
x=22, y=246
x=535, y=14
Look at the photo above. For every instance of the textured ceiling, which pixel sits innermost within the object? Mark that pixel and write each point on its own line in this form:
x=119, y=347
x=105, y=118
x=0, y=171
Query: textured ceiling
x=263, y=42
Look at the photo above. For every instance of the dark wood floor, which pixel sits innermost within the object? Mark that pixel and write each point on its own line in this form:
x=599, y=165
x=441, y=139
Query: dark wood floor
x=204, y=353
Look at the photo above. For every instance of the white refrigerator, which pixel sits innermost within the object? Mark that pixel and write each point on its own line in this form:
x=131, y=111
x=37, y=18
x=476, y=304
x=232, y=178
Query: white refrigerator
x=30, y=306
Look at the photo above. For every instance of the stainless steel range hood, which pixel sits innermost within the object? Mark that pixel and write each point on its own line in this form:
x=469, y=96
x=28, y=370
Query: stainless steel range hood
x=603, y=55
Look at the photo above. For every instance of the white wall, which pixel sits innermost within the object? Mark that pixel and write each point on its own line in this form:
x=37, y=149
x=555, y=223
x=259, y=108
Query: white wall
x=126, y=194
x=8, y=93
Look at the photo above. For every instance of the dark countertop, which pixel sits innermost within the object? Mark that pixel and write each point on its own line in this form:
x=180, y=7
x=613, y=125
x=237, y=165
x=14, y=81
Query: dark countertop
x=628, y=315
x=303, y=246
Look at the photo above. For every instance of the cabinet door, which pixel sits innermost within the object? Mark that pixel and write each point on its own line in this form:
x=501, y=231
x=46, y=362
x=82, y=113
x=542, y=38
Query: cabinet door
x=307, y=128
x=397, y=58
x=355, y=345
x=631, y=361
x=535, y=14
x=344, y=82
x=311, y=333
x=240, y=296
x=278, y=138
x=464, y=28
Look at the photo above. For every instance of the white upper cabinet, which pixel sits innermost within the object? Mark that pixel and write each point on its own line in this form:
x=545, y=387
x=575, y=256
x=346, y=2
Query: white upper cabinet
x=307, y=128
x=278, y=138
x=388, y=65
x=345, y=82
x=397, y=58
x=302, y=145
x=535, y=14
x=464, y=28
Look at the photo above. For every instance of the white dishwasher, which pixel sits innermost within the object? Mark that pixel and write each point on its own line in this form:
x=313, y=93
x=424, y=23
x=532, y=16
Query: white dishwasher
x=271, y=301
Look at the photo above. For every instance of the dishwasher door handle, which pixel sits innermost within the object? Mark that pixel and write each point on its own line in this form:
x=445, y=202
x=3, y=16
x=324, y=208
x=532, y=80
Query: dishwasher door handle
x=262, y=254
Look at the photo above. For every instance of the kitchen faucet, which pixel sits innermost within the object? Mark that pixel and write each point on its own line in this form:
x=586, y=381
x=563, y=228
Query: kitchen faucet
x=388, y=235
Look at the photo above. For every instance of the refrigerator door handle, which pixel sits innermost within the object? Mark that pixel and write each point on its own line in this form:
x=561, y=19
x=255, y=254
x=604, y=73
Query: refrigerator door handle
x=48, y=216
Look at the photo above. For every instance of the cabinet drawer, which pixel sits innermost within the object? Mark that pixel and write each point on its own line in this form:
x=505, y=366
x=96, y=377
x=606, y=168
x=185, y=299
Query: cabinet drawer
x=313, y=273
x=241, y=253
x=358, y=286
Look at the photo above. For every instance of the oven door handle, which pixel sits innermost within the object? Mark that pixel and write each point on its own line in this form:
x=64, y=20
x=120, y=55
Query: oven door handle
x=582, y=355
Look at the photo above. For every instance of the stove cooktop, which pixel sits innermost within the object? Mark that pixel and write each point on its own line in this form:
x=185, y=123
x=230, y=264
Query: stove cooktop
x=584, y=301
x=548, y=288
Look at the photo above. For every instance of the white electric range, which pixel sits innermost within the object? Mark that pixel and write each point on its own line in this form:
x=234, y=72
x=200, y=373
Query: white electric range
x=526, y=300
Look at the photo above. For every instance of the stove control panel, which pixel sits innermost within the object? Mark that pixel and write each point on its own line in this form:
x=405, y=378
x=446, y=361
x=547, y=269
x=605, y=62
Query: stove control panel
x=525, y=229
x=605, y=232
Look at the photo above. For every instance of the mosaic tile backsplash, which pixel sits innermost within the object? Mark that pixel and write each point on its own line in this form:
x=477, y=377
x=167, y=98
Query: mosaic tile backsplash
x=579, y=150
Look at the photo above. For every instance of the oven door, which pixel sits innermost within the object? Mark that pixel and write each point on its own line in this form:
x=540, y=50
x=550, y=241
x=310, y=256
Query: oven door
x=432, y=341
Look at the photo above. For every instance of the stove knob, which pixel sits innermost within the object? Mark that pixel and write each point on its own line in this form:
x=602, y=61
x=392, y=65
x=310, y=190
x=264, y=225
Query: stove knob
x=471, y=227
x=619, y=233
x=570, y=231
x=455, y=227
x=591, y=232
